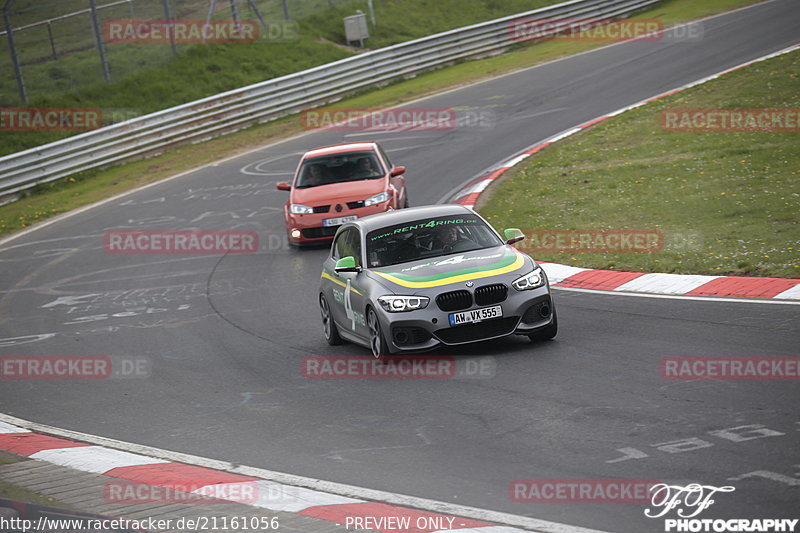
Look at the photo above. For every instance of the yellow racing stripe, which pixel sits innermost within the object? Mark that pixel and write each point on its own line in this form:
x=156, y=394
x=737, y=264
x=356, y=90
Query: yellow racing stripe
x=339, y=282
x=519, y=263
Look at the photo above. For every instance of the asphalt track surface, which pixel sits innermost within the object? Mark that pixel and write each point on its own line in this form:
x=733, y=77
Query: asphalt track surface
x=225, y=335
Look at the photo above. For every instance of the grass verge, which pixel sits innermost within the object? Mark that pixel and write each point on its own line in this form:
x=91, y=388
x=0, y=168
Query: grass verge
x=53, y=199
x=727, y=203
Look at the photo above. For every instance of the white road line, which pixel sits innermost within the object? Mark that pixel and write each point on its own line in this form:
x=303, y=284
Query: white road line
x=725, y=299
x=665, y=283
x=793, y=293
x=95, y=459
x=8, y=428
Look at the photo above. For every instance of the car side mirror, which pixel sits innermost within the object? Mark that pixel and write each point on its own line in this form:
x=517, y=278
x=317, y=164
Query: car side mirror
x=347, y=264
x=396, y=171
x=283, y=186
x=513, y=235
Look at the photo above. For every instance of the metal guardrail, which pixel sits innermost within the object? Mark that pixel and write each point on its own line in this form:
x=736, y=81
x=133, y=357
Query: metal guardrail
x=261, y=102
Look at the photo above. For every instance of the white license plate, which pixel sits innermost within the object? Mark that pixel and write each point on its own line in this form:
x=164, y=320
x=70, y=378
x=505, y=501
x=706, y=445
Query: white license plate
x=328, y=222
x=476, y=315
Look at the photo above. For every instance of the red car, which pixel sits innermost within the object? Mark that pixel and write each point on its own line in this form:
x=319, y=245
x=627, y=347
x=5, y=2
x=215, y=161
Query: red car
x=338, y=184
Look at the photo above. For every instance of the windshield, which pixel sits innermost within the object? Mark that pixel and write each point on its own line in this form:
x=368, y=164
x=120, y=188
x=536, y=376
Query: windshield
x=432, y=237
x=338, y=168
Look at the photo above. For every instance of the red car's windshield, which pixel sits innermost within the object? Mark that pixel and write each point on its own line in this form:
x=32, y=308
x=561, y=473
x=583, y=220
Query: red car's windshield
x=337, y=168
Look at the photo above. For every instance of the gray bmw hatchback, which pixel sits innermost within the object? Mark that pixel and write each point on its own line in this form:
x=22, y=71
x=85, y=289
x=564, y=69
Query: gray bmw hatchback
x=410, y=280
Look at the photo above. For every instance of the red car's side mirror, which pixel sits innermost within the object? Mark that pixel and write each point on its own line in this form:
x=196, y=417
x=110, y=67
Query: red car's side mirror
x=396, y=171
x=283, y=186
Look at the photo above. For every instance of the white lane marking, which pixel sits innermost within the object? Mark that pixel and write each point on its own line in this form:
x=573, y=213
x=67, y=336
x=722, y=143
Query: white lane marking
x=274, y=496
x=666, y=283
x=628, y=453
x=478, y=187
x=557, y=272
x=790, y=294
x=94, y=458
x=682, y=297
x=514, y=162
x=564, y=135
x=8, y=428
x=772, y=476
x=14, y=341
x=350, y=491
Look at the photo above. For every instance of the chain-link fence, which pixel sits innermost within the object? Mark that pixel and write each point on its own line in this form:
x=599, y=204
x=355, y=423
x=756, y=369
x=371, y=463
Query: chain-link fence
x=53, y=46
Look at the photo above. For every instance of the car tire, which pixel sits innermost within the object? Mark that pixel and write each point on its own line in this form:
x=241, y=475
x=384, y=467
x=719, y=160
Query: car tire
x=328, y=325
x=548, y=332
x=377, y=341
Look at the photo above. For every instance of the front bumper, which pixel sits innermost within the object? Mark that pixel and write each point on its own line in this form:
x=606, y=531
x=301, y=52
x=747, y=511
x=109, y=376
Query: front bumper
x=311, y=228
x=524, y=312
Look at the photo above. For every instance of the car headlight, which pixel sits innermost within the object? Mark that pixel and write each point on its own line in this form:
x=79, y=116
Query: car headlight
x=400, y=304
x=297, y=209
x=377, y=199
x=531, y=280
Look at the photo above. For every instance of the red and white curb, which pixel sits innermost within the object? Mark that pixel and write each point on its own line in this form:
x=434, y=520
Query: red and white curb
x=639, y=282
x=268, y=494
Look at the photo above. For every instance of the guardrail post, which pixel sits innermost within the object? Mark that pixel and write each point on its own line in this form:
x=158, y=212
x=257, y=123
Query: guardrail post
x=170, y=27
x=12, y=49
x=98, y=37
x=257, y=11
x=234, y=13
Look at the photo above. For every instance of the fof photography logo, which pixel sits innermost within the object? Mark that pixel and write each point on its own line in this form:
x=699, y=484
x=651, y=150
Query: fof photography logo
x=730, y=368
x=581, y=490
x=401, y=119
x=50, y=119
x=689, y=501
x=181, y=242
x=397, y=367
x=767, y=120
x=73, y=367
x=592, y=241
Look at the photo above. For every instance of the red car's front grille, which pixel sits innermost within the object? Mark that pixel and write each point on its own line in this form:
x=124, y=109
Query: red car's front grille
x=319, y=233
